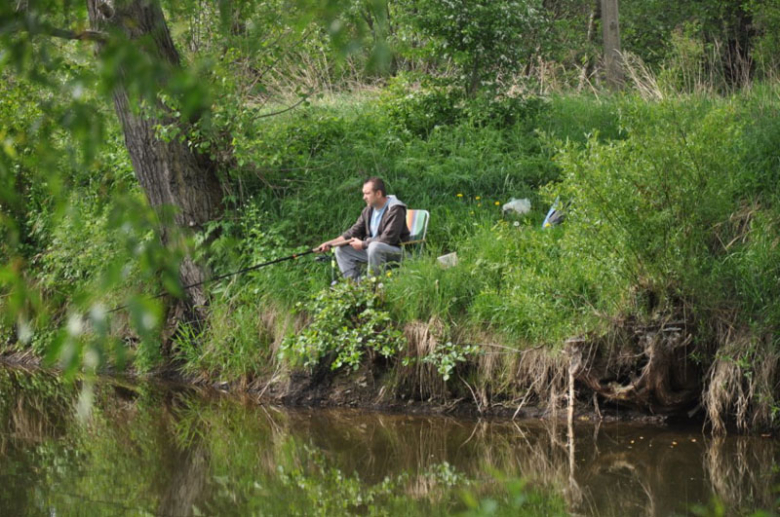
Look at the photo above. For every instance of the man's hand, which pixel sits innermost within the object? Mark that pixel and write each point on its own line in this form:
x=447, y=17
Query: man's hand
x=356, y=243
x=333, y=243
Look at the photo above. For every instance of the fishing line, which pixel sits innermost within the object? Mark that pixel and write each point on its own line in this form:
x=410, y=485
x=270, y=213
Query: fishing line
x=226, y=275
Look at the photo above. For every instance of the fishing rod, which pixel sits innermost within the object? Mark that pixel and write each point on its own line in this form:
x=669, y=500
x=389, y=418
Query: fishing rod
x=227, y=275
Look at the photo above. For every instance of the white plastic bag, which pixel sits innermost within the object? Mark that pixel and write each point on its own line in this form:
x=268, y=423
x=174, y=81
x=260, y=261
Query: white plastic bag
x=518, y=206
x=448, y=260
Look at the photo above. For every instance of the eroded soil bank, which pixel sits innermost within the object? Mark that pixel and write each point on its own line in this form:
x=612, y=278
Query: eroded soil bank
x=648, y=373
x=642, y=372
x=540, y=390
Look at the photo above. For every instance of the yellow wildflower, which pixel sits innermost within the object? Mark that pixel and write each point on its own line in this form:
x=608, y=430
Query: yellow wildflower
x=478, y=198
x=497, y=203
x=460, y=195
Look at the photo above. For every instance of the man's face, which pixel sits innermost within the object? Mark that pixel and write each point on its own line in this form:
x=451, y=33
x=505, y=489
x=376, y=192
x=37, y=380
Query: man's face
x=370, y=196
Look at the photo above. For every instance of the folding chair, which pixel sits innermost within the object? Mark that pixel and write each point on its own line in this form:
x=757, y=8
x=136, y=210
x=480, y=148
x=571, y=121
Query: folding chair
x=417, y=222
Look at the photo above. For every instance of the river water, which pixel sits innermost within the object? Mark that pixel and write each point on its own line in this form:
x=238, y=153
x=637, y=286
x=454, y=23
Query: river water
x=151, y=449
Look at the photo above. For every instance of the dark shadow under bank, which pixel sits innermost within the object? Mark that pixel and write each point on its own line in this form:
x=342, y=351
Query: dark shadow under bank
x=375, y=389
x=640, y=372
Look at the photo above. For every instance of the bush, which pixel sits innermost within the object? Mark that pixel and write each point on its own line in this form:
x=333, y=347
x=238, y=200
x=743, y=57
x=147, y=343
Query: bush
x=418, y=109
x=348, y=320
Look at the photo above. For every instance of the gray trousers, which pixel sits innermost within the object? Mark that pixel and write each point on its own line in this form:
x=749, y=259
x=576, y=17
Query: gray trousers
x=377, y=254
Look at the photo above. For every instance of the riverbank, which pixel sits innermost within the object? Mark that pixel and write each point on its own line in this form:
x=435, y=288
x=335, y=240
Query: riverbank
x=365, y=390
x=653, y=294
x=658, y=293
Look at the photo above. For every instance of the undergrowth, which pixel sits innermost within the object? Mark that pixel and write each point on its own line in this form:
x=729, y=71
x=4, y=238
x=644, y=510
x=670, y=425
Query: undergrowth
x=670, y=205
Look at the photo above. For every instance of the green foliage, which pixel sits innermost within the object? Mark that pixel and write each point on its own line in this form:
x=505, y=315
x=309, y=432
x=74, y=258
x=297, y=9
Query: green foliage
x=419, y=110
x=667, y=208
x=348, y=320
x=766, y=17
x=652, y=201
x=77, y=232
x=687, y=64
x=446, y=357
x=235, y=342
x=670, y=203
x=422, y=289
x=60, y=91
x=535, y=290
x=656, y=217
x=646, y=27
x=576, y=118
x=483, y=39
x=303, y=163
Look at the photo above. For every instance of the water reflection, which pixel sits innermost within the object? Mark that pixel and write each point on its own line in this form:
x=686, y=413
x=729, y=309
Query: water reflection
x=150, y=449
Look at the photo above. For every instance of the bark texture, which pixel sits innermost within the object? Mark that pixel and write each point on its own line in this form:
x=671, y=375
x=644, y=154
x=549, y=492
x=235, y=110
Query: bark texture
x=611, y=34
x=170, y=173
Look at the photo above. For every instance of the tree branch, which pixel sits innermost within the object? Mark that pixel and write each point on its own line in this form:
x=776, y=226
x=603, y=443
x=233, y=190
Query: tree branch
x=36, y=26
x=86, y=35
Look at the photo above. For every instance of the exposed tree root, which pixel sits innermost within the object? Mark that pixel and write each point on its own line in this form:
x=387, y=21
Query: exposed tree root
x=647, y=368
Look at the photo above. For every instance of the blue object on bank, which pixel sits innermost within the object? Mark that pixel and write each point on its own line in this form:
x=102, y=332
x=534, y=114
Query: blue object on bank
x=554, y=215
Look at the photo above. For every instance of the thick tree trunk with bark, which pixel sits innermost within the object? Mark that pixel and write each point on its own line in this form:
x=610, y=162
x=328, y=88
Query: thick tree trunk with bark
x=611, y=33
x=170, y=173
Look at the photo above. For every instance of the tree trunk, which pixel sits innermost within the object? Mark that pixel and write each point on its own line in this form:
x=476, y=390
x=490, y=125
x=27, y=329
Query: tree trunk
x=586, y=65
x=611, y=35
x=170, y=173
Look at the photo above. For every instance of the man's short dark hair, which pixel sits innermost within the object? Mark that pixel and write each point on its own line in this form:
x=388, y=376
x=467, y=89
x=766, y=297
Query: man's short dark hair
x=377, y=184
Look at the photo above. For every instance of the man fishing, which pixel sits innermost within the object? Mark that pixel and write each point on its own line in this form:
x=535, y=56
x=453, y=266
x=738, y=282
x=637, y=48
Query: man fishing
x=377, y=235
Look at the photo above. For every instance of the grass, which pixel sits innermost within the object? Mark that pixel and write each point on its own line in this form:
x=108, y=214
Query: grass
x=672, y=206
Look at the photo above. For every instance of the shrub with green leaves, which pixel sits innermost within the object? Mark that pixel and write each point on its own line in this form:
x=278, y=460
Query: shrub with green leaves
x=653, y=203
x=419, y=110
x=482, y=38
x=348, y=320
x=679, y=208
x=445, y=358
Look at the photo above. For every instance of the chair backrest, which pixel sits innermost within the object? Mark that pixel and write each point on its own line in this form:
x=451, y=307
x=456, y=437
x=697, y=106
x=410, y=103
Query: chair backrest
x=417, y=222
